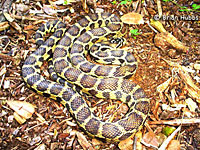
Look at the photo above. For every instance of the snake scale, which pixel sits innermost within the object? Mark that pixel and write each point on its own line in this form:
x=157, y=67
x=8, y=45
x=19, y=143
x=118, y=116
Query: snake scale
x=72, y=72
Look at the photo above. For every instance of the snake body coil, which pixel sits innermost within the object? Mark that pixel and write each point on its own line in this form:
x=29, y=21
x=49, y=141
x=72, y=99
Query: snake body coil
x=74, y=73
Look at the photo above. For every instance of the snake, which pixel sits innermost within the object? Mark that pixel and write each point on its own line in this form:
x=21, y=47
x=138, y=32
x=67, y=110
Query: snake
x=73, y=74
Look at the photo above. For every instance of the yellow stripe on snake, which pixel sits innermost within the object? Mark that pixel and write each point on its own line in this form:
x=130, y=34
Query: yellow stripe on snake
x=73, y=73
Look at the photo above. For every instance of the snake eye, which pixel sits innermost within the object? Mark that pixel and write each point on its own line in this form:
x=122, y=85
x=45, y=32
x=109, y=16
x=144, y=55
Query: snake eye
x=112, y=41
x=118, y=41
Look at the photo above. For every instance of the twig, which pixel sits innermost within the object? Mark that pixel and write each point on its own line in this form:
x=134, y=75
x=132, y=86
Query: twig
x=6, y=57
x=166, y=142
x=159, y=8
x=37, y=125
x=151, y=27
x=176, y=122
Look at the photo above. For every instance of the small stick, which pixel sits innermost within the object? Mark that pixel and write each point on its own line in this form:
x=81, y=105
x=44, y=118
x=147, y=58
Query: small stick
x=6, y=57
x=176, y=122
x=166, y=142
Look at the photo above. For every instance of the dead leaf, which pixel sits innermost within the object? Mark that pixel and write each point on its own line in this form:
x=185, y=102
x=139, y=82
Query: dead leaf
x=4, y=26
x=165, y=41
x=16, y=26
x=83, y=141
x=41, y=147
x=24, y=109
x=126, y=144
x=96, y=142
x=188, y=113
x=158, y=25
x=132, y=18
x=188, y=80
x=30, y=27
x=161, y=138
x=150, y=140
x=191, y=104
x=22, y=8
x=63, y=136
x=19, y=119
x=174, y=145
x=162, y=87
x=49, y=10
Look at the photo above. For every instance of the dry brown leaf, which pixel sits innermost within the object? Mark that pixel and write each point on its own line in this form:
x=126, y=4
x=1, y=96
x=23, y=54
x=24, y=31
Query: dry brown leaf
x=4, y=26
x=49, y=10
x=192, y=88
x=63, y=135
x=19, y=118
x=41, y=147
x=174, y=145
x=165, y=41
x=161, y=138
x=16, y=26
x=150, y=140
x=158, y=25
x=24, y=109
x=188, y=113
x=55, y=145
x=132, y=18
x=96, y=142
x=193, y=94
x=191, y=104
x=188, y=80
x=126, y=144
x=30, y=27
x=83, y=141
x=22, y=8
x=162, y=87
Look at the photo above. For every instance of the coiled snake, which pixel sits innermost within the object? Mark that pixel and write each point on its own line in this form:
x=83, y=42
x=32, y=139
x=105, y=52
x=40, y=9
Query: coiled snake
x=73, y=73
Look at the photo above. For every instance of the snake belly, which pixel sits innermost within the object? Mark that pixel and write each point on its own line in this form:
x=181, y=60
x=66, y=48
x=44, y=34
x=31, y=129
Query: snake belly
x=73, y=73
